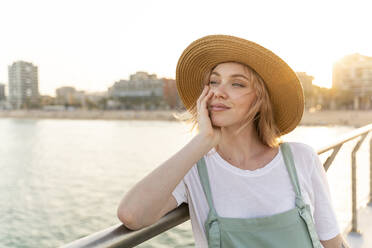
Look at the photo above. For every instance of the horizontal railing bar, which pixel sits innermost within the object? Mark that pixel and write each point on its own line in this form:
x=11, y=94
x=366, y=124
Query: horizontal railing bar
x=345, y=138
x=120, y=236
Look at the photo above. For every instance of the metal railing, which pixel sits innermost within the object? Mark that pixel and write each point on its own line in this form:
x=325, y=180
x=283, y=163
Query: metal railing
x=120, y=236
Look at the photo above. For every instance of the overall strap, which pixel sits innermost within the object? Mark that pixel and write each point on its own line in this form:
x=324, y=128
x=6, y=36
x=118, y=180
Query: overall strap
x=203, y=175
x=304, y=209
x=289, y=163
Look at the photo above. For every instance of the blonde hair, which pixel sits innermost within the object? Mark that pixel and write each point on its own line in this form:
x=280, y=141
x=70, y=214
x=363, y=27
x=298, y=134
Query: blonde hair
x=261, y=111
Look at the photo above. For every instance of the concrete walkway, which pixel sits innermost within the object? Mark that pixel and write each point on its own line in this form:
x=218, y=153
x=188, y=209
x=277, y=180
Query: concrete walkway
x=364, y=238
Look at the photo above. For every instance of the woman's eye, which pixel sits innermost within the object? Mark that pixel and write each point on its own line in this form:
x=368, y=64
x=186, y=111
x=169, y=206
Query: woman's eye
x=234, y=84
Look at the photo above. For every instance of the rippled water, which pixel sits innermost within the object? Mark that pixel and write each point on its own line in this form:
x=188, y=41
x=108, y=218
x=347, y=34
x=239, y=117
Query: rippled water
x=63, y=179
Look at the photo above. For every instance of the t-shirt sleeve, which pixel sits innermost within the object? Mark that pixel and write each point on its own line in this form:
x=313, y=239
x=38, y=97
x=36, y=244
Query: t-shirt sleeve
x=324, y=215
x=180, y=192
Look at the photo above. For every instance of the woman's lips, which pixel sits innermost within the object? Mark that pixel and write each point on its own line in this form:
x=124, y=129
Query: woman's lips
x=217, y=109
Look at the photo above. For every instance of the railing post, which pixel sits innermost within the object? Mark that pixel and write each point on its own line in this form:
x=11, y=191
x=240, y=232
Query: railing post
x=354, y=215
x=330, y=159
x=370, y=171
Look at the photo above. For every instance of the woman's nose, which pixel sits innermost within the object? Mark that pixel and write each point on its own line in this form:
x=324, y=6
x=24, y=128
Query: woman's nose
x=219, y=91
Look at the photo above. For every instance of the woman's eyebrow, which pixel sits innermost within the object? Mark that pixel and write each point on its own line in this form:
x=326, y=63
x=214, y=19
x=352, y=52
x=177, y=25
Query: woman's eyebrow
x=239, y=75
x=234, y=75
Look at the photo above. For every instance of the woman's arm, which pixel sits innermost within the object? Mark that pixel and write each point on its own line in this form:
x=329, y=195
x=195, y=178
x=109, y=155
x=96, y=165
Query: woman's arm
x=142, y=204
x=336, y=242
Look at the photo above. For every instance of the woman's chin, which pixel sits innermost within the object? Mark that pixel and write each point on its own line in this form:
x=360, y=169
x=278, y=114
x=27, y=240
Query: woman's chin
x=218, y=123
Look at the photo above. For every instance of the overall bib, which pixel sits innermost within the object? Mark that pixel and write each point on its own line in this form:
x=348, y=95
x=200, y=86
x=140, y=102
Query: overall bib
x=291, y=229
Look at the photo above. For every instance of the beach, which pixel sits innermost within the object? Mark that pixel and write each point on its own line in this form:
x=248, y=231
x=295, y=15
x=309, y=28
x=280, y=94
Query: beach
x=356, y=118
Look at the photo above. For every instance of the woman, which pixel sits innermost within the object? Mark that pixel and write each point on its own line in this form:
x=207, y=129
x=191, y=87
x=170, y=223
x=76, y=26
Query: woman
x=243, y=185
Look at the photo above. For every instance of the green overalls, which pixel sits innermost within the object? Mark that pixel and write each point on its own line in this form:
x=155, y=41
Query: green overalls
x=291, y=229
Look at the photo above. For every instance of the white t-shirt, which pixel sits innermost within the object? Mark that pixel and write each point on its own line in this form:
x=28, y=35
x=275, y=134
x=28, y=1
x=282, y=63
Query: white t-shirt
x=262, y=192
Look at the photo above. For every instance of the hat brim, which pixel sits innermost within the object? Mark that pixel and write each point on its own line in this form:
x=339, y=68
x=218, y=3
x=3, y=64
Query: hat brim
x=284, y=87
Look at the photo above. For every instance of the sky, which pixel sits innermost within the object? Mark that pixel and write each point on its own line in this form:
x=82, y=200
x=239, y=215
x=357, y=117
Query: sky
x=92, y=44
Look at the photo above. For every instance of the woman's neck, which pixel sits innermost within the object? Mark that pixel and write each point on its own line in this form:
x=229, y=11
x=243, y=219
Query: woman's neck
x=242, y=148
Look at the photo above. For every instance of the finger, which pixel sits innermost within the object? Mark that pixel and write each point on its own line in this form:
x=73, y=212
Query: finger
x=205, y=100
x=204, y=92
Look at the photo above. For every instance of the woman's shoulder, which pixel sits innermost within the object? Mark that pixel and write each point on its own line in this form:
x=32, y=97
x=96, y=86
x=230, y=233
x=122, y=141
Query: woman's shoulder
x=302, y=148
x=304, y=155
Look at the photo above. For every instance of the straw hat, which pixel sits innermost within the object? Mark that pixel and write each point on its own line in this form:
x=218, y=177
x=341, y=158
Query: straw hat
x=284, y=87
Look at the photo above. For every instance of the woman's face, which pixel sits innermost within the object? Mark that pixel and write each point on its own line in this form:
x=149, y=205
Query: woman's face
x=232, y=88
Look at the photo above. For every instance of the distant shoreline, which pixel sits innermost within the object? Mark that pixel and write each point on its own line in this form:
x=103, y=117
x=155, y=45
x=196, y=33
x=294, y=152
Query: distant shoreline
x=337, y=117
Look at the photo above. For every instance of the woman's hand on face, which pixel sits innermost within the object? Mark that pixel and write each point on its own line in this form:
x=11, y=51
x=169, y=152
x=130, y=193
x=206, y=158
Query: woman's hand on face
x=205, y=124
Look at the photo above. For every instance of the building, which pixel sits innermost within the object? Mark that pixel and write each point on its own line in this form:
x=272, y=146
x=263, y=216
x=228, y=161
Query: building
x=23, y=85
x=65, y=95
x=316, y=98
x=46, y=100
x=2, y=92
x=140, y=84
x=353, y=74
x=141, y=91
x=306, y=81
x=307, y=85
x=170, y=94
x=69, y=96
x=95, y=100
